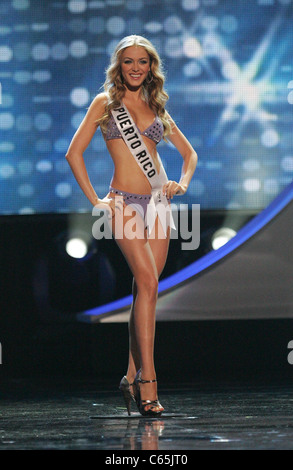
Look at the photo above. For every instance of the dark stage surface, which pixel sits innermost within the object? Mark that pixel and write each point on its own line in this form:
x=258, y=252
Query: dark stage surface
x=224, y=385
x=86, y=416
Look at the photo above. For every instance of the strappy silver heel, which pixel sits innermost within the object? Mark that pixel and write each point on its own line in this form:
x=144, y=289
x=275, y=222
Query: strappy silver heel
x=142, y=404
x=127, y=395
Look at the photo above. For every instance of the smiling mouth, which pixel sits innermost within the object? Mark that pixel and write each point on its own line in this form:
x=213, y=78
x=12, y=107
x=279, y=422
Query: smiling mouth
x=135, y=76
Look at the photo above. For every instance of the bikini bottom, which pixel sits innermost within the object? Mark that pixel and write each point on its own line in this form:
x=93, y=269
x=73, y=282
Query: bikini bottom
x=138, y=201
x=147, y=208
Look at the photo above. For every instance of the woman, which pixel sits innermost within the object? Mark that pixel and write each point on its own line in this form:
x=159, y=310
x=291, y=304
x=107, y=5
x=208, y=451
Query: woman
x=134, y=88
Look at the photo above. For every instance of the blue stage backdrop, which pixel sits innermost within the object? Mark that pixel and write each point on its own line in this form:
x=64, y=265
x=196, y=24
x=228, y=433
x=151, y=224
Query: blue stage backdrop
x=229, y=78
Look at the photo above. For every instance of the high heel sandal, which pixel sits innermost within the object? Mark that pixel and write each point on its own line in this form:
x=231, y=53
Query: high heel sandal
x=142, y=404
x=127, y=395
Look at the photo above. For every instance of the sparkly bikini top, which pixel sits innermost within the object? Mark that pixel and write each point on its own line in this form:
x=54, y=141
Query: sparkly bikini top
x=154, y=132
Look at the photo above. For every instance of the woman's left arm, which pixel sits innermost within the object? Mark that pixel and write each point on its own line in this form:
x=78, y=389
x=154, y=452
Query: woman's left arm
x=190, y=158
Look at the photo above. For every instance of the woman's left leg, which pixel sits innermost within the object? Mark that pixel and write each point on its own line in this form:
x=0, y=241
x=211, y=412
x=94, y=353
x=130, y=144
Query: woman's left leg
x=159, y=244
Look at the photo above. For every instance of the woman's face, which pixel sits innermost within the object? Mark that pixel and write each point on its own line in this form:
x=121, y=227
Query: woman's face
x=135, y=65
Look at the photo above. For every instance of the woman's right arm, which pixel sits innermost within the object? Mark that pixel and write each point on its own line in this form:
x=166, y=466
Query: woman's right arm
x=79, y=144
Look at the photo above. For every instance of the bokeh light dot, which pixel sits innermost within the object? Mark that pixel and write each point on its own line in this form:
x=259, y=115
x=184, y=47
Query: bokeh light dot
x=44, y=166
x=6, y=53
x=6, y=171
x=251, y=165
x=230, y=70
x=190, y=5
x=78, y=49
x=115, y=25
x=59, y=51
x=20, y=4
x=7, y=146
x=290, y=97
x=63, y=190
x=22, y=76
x=77, y=118
x=79, y=96
x=174, y=47
x=287, y=163
x=173, y=24
x=153, y=27
x=42, y=76
x=211, y=45
x=251, y=185
x=7, y=100
x=210, y=22
x=192, y=69
x=270, y=138
x=6, y=121
x=41, y=51
x=77, y=6
x=192, y=48
x=26, y=211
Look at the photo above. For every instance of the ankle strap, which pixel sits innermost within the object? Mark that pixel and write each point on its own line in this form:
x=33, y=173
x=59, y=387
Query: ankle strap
x=146, y=381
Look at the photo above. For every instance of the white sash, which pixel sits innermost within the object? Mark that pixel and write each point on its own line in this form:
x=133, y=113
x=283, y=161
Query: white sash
x=159, y=204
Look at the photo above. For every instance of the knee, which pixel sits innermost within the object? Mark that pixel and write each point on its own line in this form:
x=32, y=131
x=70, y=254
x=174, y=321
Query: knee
x=148, y=284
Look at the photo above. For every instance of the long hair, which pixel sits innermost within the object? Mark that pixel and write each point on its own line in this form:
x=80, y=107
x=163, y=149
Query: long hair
x=153, y=90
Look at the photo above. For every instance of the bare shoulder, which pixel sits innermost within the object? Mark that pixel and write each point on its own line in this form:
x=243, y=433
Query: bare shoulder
x=99, y=103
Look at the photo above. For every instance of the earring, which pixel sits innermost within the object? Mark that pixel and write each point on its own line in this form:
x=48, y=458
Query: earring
x=148, y=80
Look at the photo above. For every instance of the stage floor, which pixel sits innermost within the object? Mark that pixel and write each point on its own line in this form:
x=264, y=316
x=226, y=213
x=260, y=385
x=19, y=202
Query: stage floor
x=84, y=416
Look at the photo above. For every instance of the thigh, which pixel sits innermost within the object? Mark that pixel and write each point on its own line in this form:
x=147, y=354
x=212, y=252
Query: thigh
x=136, y=250
x=159, y=244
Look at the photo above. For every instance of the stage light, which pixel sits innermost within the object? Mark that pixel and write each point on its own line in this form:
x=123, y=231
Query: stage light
x=74, y=245
x=76, y=248
x=73, y=272
x=221, y=237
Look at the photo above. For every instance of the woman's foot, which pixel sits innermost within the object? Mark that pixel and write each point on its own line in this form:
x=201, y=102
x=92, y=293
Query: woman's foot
x=146, y=396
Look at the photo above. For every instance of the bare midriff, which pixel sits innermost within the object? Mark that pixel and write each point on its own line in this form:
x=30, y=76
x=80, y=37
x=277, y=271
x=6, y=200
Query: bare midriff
x=127, y=174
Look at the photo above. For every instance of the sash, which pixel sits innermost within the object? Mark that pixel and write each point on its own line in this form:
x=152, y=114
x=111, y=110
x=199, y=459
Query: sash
x=159, y=204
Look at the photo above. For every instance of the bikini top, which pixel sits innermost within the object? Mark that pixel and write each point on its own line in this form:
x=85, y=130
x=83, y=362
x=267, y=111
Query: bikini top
x=155, y=131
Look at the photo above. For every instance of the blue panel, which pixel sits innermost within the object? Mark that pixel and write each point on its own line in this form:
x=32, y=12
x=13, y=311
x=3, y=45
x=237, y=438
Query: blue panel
x=229, y=79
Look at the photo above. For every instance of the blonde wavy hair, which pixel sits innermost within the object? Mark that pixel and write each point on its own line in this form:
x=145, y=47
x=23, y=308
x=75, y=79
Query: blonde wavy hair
x=153, y=90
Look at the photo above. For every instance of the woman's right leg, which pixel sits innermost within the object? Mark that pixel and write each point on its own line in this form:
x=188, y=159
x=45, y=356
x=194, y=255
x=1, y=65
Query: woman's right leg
x=139, y=256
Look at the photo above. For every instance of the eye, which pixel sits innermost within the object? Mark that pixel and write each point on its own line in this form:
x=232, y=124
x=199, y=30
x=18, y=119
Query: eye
x=143, y=61
x=127, y=61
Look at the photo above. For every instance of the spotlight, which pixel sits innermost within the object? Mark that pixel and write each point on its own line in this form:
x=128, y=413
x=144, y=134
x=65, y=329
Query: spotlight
x=221, y=237
x=76, y=248
x=76, y=243
x=77, y=276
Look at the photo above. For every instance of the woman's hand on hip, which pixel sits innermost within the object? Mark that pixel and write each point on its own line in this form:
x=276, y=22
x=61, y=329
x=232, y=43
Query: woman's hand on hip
x=172, y=188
